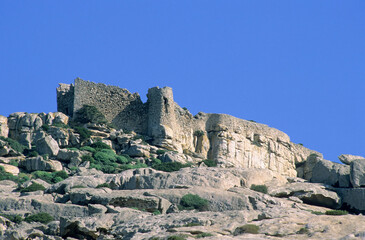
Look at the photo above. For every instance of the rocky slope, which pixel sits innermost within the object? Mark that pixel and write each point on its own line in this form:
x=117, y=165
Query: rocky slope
x=62, y=180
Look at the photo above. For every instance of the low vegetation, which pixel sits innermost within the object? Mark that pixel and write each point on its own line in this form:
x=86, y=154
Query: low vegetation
x=89, y=114
x=14, y=144
x=259, y=188
x=176, y=237
x=170, y=166
x=104, y=185
x=210, y=163
x=192, y=201
x=50, y=177
x=12, y=218
x=21, y=178
x=247, y=228
x=41, y=217
x=336, y=212
x=33, y=187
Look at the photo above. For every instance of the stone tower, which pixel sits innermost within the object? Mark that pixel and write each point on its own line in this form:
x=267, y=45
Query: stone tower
x=161, y=116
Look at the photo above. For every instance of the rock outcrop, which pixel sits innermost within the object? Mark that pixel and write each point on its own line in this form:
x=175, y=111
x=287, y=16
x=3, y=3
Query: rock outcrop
x=4, y=129
x=225, y=139
x=161, y=173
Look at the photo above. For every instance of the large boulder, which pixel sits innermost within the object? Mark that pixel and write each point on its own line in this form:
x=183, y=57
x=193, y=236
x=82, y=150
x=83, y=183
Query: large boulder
x=61, y=135
x=318, y=170
x=348, y=158
x=47, y=145
x=353, y=198
x=310, y=193
x=357, y=173
x=10, y=169
x=70, y=156
x=138, y=150
x=4, y=129
x=41, y=203
x=121, y=198
x=39, y=164
x=25, y=127
x=172, y=156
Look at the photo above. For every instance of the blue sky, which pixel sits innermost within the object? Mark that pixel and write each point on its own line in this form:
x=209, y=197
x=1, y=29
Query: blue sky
x=298, y=66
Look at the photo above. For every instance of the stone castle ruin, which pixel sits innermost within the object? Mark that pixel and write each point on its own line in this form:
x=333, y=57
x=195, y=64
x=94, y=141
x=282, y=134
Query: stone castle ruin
x=226, y=139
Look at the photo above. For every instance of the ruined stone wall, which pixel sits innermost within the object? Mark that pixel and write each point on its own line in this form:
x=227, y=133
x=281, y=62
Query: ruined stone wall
x=65, y=99
x=120, y=107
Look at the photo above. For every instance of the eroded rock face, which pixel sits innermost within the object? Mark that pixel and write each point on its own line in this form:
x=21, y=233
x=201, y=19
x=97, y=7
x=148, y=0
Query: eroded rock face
x=314, y=194
x=318, y=170
x=38, y=163
x=357, y=171
x=348, y=158
x=229, y=141
x=4, y=129
x=47, y=145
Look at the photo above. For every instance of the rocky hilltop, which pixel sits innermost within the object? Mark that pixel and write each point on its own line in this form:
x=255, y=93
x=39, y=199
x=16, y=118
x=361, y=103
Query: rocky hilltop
x=108, y=166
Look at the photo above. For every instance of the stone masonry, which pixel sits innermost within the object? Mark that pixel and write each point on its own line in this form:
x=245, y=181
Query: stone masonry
x=228, y=140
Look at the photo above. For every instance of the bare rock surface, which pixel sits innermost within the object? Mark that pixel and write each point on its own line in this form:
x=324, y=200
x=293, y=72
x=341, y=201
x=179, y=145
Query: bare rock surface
x=348, y=158
x=4, y=129
x=357, y=170
x=47, y=145
x=38, y=163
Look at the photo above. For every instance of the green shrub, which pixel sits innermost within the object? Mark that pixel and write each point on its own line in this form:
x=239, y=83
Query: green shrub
x=203, y=235
x=60, y=125
x=89, y=114
x=33, y=154
x=74, y=169
x=13, y=162
x=248, y=228
x=176, y=237
x=33, y=187
x=170, y=166
x=53, y=177
x=99, y=145
x=160, y=151
x=21, y=178
x=45, y=127
x=317, y=212
x=210, y=163
x=259, y=188
x=122, y=160
x=45, y=157
x=157, y=212
x=155, y=161
x=104, y=185
x=84, y=133
x=39, y=217
x=87, y=158
x=303, y=230
x=12, y=218
x=108, y=169
x=192, y=201
x=88, y=148
x=199, y=133
x=105, y=157
x=14, y=144
x=193, y=224
x=45, y=176
x=336, y=212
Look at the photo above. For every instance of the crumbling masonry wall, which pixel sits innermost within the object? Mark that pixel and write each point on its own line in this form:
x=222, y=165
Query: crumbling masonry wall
x=120, y=107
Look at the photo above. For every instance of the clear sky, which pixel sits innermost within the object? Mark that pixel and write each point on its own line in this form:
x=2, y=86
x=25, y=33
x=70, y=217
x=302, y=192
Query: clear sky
x=298, y=66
